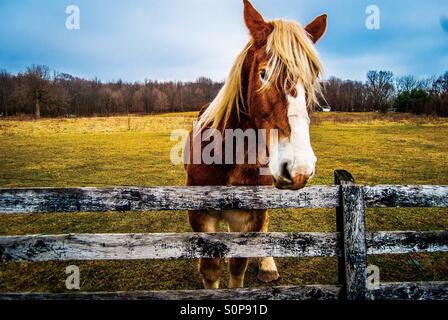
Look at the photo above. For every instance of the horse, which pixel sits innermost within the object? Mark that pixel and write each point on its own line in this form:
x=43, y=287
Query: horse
x=272, y=86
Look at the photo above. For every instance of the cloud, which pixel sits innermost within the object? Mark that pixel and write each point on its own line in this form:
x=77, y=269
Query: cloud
x=182, y=40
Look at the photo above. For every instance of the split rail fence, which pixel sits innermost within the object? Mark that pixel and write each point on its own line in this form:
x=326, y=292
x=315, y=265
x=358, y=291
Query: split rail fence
x=350, y=244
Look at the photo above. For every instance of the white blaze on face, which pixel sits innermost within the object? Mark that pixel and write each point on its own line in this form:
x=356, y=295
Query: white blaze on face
x=295, y=153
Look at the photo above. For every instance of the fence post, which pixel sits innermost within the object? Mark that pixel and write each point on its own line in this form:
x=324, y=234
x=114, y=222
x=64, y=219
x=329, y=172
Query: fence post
x=350, y=222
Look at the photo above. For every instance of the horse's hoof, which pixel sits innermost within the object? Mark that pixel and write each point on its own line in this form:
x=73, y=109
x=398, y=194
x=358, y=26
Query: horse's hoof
x=268, y=275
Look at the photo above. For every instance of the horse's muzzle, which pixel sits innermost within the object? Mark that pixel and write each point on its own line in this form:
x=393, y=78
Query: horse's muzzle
x=289, y=178
x=296, y=183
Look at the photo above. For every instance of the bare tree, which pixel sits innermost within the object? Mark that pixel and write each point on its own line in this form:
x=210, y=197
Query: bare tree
x=406, y=83
x=160, y=99
x=6, y=86
x=345, y=95
x=142, y=101
x=440, y=86
x=37, y=79
x=426, y=83
x=380, y=87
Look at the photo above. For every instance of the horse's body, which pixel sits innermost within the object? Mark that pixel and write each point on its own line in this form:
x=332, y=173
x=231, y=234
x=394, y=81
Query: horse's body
x=270, y=87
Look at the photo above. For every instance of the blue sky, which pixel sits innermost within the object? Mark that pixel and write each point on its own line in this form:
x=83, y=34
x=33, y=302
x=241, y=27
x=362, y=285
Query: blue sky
x=182, y=40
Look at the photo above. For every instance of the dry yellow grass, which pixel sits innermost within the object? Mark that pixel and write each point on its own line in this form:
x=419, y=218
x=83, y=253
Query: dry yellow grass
x=376, y=149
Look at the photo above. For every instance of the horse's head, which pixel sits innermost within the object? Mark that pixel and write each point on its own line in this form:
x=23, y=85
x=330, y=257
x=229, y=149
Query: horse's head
x=282, y=86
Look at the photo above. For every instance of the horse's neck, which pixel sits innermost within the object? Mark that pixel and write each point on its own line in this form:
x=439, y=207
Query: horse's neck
x=247, y=174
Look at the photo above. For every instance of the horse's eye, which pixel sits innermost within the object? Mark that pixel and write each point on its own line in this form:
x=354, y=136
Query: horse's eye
x=264, y=75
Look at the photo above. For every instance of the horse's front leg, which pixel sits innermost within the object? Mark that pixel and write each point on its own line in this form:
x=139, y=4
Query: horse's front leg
x=248, y=221
x=267, y=270
x=210, y=269
x=238, y=221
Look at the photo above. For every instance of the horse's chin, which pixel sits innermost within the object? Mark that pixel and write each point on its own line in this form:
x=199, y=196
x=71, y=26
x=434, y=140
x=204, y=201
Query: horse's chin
x=288, y=186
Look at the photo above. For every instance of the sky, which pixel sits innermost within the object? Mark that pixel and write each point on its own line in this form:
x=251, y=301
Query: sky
x=185, y=39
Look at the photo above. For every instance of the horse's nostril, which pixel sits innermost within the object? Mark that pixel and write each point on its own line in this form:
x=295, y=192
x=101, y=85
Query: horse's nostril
x=285, y=171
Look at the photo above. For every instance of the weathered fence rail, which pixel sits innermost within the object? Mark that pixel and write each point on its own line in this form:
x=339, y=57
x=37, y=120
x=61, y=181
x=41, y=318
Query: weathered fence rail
x=46, y=200
x=208, y=245
x=351, y=243
x=388, y=291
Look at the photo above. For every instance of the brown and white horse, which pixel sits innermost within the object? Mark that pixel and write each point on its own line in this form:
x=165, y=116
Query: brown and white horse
x=272, y=86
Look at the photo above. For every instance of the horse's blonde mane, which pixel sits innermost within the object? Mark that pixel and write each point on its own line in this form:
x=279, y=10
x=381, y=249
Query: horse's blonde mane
x=292, y=56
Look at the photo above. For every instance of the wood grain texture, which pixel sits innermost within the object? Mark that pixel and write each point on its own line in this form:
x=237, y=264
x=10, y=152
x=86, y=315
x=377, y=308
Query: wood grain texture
x=42, y=200
x=386, y=291
x=166, y=246
x=341, y=177
x=207, y=245
x=163, y=198
x=405, y=196
x=399, y=242
x=410, y=291
x=311, y=292
x=354, y=242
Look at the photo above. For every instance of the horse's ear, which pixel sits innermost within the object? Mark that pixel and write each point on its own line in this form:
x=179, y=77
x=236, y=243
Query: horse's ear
x=317, y=27
x=259, y=29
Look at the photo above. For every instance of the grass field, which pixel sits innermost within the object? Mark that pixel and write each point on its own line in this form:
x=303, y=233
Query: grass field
x=376, y=149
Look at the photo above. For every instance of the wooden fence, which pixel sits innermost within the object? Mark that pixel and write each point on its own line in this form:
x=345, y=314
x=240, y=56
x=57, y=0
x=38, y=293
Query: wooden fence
x=351, y=243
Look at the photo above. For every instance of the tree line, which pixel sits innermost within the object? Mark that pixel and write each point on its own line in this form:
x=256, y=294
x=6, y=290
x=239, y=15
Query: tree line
x=39, y=92
x=382, y=92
